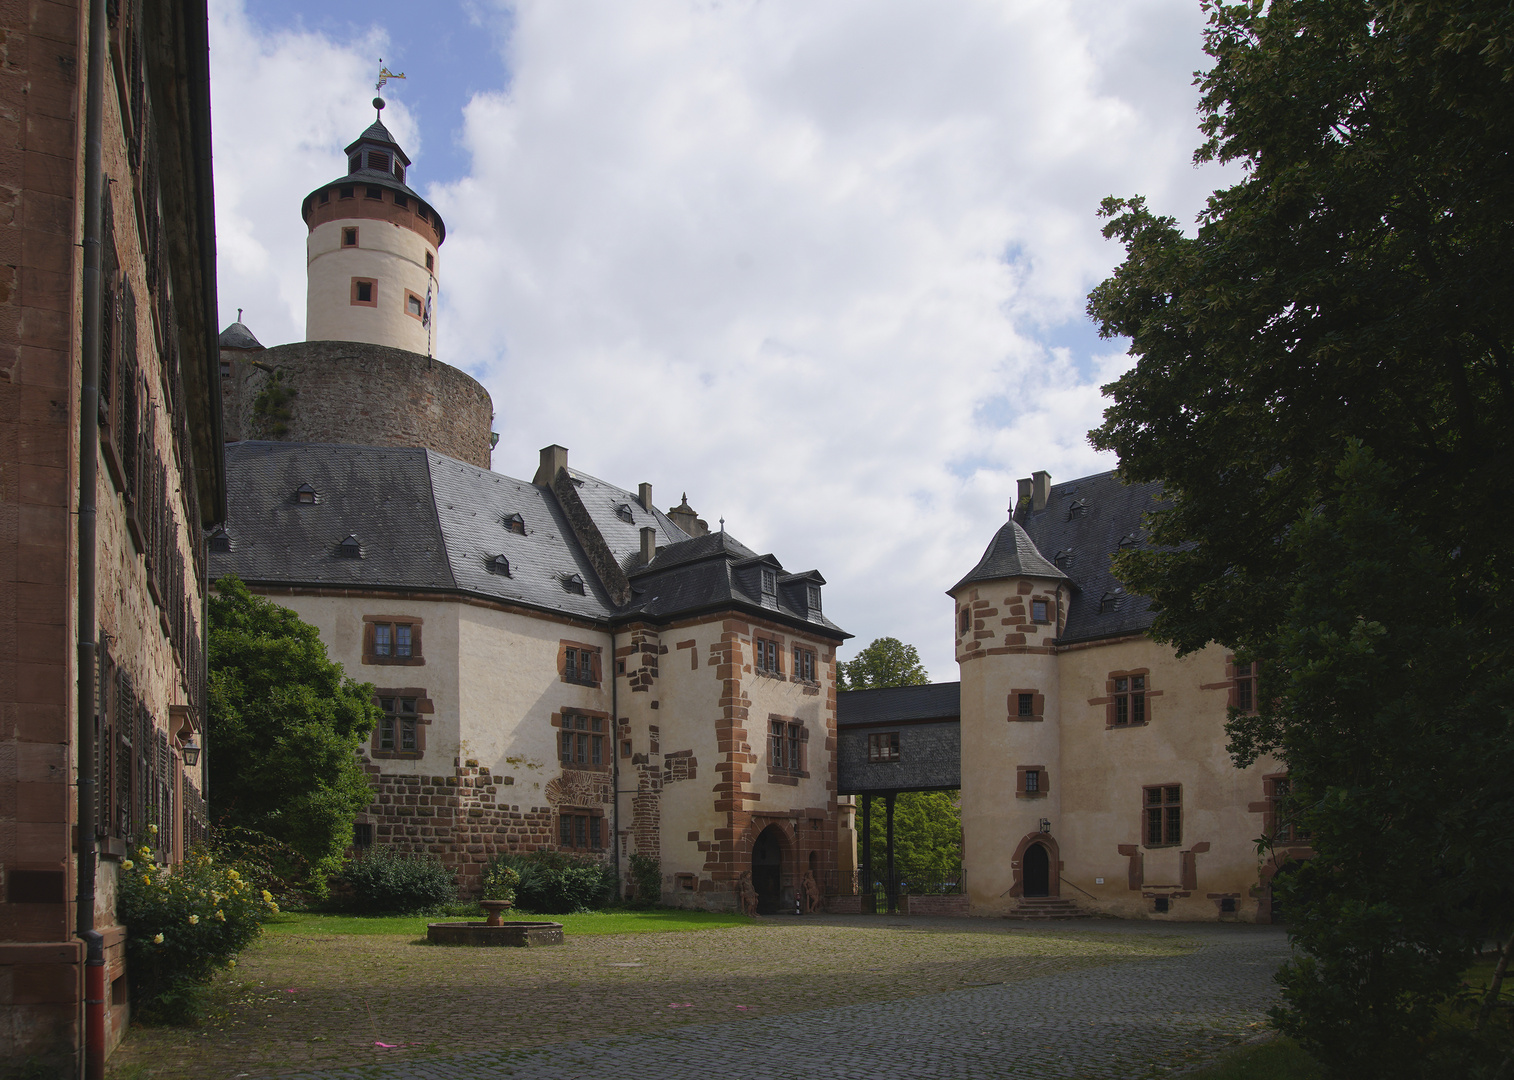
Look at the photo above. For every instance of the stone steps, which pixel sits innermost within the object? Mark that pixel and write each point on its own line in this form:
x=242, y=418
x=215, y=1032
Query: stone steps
x=1047, y=907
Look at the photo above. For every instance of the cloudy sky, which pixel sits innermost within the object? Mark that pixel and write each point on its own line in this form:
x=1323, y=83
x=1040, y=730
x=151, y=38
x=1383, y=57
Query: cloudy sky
x=821, y=265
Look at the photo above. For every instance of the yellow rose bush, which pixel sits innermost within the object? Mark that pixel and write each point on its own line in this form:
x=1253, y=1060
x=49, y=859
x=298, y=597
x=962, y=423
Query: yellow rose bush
x=184, y=924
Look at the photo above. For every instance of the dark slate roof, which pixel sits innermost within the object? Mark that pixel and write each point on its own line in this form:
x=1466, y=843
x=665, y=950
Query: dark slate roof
x=380, y=495
x=237, y=336
x=712, y=572
x=426, y=521
x=896, y=704
x=377, y=132
x=1085, y=522
x=1011, y=554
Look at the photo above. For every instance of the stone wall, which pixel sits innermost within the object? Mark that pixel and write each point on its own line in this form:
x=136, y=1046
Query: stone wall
x=356, y=393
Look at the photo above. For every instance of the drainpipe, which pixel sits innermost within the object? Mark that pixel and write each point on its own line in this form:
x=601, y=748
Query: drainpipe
x=89, y=448
x=615, y=758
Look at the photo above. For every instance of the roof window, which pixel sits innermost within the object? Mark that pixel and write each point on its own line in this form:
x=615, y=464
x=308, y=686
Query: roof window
x=499, y=565
x=814, y=597
x=769, y=583
x=1077, y=508
x=1129, y=540
x=305, y=495
x=220, y=540
x=350, y=548
x=623, y=511
x=514, y=523
x=1111, y=601
x=574, y=583
x=1062, y=559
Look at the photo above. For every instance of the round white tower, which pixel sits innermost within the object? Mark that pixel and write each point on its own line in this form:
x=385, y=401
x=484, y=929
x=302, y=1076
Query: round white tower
x=372, y=255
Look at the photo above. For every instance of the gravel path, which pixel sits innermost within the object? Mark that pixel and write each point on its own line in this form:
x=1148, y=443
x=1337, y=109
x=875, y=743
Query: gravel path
x=1144, y=1017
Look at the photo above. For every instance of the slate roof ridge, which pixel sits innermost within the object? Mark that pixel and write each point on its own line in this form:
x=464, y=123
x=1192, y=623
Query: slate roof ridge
x=436, y=517
x=695, y=549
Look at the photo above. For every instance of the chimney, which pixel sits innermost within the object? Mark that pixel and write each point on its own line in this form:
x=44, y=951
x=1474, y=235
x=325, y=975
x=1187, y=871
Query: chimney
x=1026, y=487
x=644, y=496
x=1040, y=489
x=648, y=540
x=553, y=458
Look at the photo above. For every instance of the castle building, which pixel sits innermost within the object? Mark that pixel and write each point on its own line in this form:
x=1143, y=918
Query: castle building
x=1091, y=758
x=110, y=465
x=560, y=664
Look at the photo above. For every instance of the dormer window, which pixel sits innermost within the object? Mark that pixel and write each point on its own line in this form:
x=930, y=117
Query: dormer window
x=574, y=583
x=515, y=523
x=769, y=583
x=623, y=511
x=354, y=163
x=379, y=160
x=304, y=495
x=499, y=565
x=220, y=540
x=1077, y=508
x=1111, y=601
x=1062, y=559
x=813, y=593
x=1129, y=540
x=350, y=548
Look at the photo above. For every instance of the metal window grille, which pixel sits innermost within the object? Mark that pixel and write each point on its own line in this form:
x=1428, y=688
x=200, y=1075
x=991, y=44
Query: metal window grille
x=1026, y=704
x=1032, y=781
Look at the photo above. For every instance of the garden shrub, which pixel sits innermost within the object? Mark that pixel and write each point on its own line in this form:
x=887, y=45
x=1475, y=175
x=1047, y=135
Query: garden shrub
x=501, y=880
x=183, y=925
x=555, y=883
x=386, y=881
x=646, y=879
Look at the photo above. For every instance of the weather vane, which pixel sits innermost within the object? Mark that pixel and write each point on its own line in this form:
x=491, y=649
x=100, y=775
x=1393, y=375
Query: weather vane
x=384, y=76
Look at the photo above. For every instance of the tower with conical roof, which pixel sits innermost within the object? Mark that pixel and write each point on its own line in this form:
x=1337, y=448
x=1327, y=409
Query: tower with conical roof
x=373, y=251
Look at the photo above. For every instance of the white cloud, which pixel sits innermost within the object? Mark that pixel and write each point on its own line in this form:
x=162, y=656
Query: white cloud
x=792, y=258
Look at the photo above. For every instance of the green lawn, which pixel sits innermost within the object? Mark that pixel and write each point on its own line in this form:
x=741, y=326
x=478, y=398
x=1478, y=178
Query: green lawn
x=655, y=921
x=1275, y=1059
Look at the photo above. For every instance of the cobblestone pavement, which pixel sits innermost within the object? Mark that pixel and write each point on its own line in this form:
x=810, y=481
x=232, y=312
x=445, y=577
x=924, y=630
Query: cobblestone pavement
x=1139, y=1019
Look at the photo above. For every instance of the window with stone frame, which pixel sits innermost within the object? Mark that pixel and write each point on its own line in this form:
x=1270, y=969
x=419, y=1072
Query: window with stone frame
x=364, y=292
x=786, y=739
x=1243, y=694
x=392, y=640
x=580, y=664
x=1282, y=817
x=1040, y=611
x=399, y=727
x=766, y=656
x=1162, y=809
x=804, y=664
x=582, y=741
x=581, y=830
x=1031, y=781
x=882, y=747
x=1128, y=708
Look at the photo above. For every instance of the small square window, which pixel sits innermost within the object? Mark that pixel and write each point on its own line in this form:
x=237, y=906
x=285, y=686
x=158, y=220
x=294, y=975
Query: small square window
x=413, y=305
x=363, y=292
x=371, y=192
x=1032, y=781
x=1227, y=905
x=324, y=197
x=1040, y=611
x=349, y=237
x=402, y=201
x=1026, y=704
x=362, y=835
x=344, y=192
x=883, y=747
x=1162, y=905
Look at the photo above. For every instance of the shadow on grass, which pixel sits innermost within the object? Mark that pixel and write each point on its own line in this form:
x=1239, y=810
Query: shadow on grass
x=1275, y=1059
x=653, y=921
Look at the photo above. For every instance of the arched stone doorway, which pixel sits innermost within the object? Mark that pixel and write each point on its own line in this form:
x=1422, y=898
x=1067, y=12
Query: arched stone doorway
x=767, y=869
x=1037, y=871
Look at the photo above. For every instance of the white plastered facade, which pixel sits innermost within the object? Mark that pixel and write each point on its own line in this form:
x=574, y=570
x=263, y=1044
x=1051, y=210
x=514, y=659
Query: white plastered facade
x=390, y=256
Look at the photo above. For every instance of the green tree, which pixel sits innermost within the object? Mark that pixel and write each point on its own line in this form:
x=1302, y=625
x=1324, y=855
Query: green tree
x=1323, y=385
x=885, y=662
x=285, y=726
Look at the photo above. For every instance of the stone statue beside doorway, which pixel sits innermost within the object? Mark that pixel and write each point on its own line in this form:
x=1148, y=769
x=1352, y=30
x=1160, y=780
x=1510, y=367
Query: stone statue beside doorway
x=812, y=898
x=746, y=894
